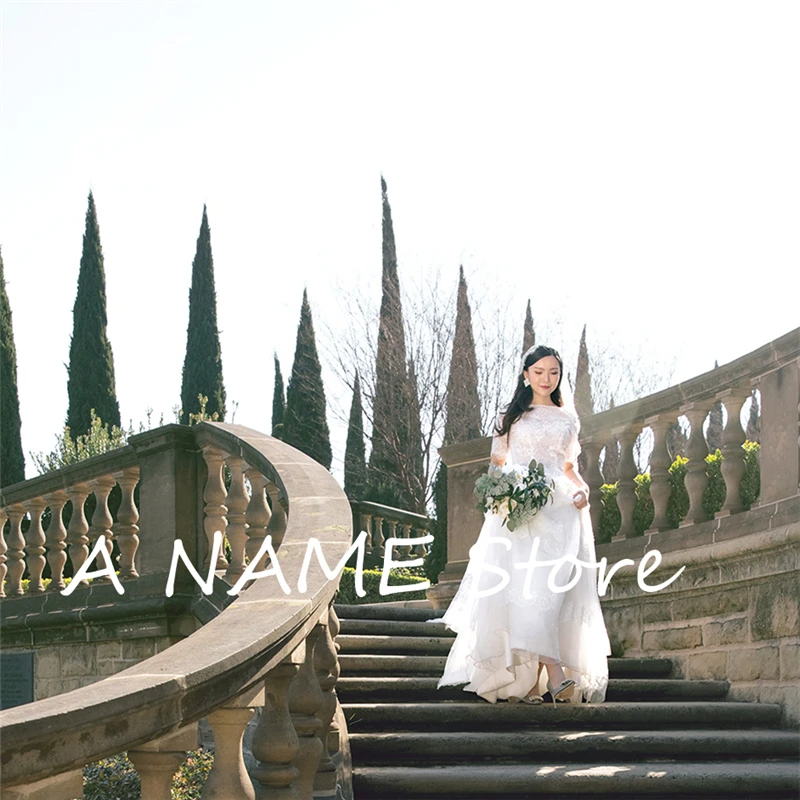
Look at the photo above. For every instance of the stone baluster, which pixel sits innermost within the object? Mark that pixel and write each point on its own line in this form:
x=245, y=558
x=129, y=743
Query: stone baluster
x=733, y=437
x=228, y=777
x=275, y=743
x=257, y=515
x=305, y=699
x=78, y=527
x=594, y=480
x=277, y=523
x=56, y=539
x=214, y=509
x=16, y=551
x=403, y=551
x=34, y=548
x=3, y=550
x=626, y=496
x=126, y=530
x=326, y=664
x=157, y=761
x=102, y=521
x=378, y=539
x=333, y=628
x=660, y=462
x=236, y=503
x=418, y=551
x=697, y=450
x=366, y=525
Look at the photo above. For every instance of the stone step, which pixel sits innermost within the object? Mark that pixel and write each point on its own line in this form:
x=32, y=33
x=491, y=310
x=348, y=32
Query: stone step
x=423, y=645
x=382, y=627
x=631, y=779
x=381, y=664
x=371, y=749
x=399, y=689
x=465, y=716
x=382, y=611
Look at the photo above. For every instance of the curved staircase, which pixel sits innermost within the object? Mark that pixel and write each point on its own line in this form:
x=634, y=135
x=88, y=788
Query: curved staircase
x=655, y=736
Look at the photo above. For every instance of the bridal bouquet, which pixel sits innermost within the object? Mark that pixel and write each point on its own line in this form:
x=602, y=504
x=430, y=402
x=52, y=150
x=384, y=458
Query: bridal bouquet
x=514, y=493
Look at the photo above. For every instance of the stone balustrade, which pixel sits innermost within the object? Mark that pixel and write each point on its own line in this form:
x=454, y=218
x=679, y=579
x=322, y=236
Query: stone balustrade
x=384, y=522
x=263, y=649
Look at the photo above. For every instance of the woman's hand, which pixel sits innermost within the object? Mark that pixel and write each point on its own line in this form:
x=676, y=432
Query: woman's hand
x=581, y=498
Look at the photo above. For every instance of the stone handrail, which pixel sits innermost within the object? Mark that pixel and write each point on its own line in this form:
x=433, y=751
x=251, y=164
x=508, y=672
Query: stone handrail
x=384, y=522
x=265, y=649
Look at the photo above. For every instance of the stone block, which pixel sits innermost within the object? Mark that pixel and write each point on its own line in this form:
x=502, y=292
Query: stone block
x=790, y=662
x=731, y=631
x=776, y=609
x=656, y=611
x=624, y=627
x=711, y=665
x=59, y=787
x=711, y=603
x=107, y=651
x=789, y=698
x=78, y=661
x=753, y=663
x=672, y=639
x=47, y=663
x=138, y=649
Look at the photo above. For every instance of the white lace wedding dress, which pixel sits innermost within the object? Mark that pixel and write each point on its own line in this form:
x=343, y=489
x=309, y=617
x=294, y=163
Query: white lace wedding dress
x=503, y=637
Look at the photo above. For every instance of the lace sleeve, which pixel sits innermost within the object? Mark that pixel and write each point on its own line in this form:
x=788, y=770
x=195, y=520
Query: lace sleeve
x=499, y=444
x=574, y=446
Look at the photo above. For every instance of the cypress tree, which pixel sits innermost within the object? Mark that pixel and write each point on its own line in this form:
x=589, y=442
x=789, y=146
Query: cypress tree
x=304, y=422
x=12, y=460
x=463, y=420
x=90, y=384
x=202, y=365
x=584, y=404
x=355, y=467
x=528, y=336
x=278, y=401
x=463, y=416
x=389, y=460
x=753, y=431
x=416, y=470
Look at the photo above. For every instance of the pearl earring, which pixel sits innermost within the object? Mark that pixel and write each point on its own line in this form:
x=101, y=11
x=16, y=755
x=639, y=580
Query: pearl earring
x=526, y=382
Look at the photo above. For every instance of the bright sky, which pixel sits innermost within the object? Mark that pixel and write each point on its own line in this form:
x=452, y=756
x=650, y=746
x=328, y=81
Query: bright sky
x=630, y=165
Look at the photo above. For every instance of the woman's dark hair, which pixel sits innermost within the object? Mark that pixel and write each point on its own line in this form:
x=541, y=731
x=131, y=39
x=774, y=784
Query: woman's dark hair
x=523, y=395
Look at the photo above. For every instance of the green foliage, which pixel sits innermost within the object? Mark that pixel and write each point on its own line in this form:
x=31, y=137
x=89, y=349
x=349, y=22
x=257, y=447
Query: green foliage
x=12, y=460
x=202, y=414
x=278, y=402
x=305, y=425
x=678, y=503
x=202, y=365
x=398, y=576
x=115, y=778
x=436, y=558
x=99, y=439
x=355, y=465
x=90, y=384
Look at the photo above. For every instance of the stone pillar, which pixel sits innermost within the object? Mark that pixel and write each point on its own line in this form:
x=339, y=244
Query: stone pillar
x=305, y=700
x=465, y=462
x=236, y=502
x=157, y=761
x=214, y=510
x=779, y=456
x=594, y=480
x=168, y=498
x=228, y=777
x=660, y=463
x=56, y=540
x=126, y=529
x=16, y=551
x=733, y=438
x=275, y=742
x=34, y=548
x=78, y=527
x=626, y=496
x=326, y=664
x=101, y=517
x=696, y=477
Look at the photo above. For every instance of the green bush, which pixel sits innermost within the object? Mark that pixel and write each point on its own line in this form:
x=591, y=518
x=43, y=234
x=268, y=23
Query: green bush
x=372, y=580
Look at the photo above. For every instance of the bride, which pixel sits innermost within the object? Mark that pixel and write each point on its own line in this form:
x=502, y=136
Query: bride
x=507, y=639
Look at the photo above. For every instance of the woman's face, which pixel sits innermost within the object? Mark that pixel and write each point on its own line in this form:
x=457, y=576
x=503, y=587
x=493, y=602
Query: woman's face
x=543, y=376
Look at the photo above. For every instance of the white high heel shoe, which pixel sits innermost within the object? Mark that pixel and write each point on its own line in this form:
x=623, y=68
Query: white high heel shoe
x=557, y=690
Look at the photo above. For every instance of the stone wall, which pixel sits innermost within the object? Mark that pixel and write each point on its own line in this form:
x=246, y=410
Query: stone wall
x=733, y=614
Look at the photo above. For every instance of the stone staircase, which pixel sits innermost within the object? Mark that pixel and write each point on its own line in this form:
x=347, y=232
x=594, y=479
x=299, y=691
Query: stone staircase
x=654, y=737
